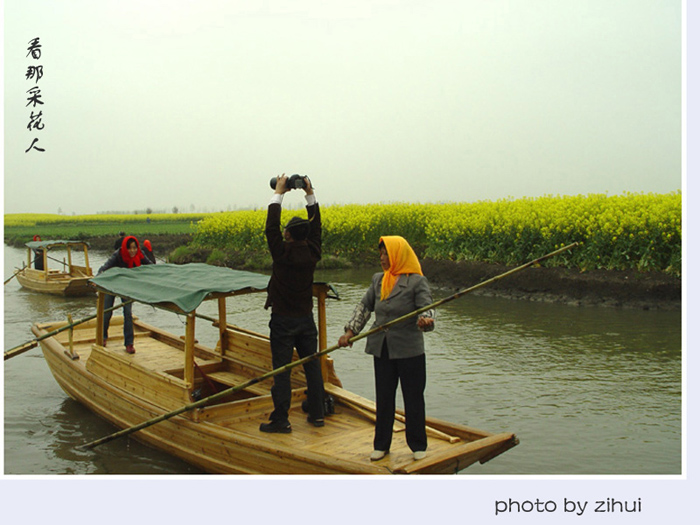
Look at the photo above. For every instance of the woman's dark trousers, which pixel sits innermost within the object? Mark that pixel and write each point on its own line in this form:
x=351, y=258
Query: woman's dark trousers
x=128, y=319
x=387, y=374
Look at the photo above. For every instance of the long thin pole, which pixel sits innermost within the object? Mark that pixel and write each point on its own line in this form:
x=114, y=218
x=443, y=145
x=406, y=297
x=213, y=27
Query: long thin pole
x=17, y=350
x=63, y=262
x=16, y=272
x=285, y=368
x=12, y=276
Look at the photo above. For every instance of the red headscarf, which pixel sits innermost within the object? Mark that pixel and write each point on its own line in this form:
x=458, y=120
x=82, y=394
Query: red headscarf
x=402, y=259
x=128, y=259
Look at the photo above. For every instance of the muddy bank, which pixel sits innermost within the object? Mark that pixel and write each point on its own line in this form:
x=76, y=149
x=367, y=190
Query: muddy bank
x=162, y=244
x=618, y=289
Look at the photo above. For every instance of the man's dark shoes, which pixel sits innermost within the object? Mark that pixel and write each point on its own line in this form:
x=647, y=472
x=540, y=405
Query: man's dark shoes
x=276, y=427
x=315, y=422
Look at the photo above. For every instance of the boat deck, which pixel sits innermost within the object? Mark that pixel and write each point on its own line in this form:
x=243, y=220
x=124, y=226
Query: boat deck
x=347, y=435
x=152, y=353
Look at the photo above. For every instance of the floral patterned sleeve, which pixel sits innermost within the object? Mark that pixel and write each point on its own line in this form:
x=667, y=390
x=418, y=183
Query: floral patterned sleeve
x=359, y=319
x=423, y=299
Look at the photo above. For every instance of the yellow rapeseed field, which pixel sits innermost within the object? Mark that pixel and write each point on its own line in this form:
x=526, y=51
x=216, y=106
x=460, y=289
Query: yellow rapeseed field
x=638, y=231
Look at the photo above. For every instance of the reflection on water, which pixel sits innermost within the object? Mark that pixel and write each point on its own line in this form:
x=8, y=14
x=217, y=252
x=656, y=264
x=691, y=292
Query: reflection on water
x=587, y=390
x=121, y=456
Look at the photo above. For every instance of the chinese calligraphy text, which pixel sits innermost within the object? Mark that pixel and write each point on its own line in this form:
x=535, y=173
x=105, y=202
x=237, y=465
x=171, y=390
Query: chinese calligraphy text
x=34, y=73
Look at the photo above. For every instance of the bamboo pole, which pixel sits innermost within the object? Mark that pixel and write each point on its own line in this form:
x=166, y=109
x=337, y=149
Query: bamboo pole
x=217, y=322
x=287, y=367
x=63, y=262
x=15, y=274
x=17, y=350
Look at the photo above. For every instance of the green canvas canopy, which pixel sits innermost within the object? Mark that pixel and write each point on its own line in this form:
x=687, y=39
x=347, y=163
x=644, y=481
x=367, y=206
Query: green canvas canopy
x=184, y=285
x=36, y=245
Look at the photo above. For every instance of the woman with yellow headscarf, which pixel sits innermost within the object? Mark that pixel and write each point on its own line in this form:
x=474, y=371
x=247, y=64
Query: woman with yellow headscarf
x=399, y=352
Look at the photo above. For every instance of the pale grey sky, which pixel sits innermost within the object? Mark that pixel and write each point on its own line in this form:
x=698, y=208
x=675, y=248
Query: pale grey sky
x=196, y=104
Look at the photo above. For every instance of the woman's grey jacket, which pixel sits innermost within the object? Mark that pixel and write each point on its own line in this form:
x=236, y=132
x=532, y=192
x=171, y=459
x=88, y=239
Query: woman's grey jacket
x=405, y=339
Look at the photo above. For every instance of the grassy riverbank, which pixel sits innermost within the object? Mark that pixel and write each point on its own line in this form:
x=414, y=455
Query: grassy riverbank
x=21, y=227
x=630, y=248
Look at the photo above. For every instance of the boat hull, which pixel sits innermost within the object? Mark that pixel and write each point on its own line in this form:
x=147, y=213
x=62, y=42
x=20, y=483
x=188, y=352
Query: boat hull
x=56, y=285
x=128, y=389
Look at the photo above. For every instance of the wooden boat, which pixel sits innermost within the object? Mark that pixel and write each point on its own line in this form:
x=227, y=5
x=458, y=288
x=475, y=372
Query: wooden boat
x=70, y=279
x=168, y=371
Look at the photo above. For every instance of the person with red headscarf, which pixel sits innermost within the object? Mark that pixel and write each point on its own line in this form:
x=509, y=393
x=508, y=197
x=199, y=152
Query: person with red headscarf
x=148, y=251
x=399, y=352
x=128, y=255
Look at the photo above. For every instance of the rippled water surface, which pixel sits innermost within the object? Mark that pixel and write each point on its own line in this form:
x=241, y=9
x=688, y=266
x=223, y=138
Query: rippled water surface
x=587, y=390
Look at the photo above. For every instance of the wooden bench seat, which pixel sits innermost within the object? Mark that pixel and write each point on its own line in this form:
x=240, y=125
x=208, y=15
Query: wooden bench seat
x=229, y=378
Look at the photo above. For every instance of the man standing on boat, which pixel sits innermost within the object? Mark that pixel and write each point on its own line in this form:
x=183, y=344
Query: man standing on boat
x=295, y=253
x=38, y=255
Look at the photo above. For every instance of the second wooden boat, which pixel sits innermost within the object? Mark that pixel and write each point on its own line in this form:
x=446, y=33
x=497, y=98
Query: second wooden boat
x=46, y=273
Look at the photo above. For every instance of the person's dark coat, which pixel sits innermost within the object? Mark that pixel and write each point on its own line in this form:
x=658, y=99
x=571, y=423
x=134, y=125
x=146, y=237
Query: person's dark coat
x=121, y=258
x=290, y=291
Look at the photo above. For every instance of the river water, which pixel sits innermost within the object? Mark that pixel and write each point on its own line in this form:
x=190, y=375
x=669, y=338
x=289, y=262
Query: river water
x=588, y=390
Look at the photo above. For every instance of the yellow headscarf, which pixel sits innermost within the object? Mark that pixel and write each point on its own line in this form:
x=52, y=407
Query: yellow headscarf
x=402, y=260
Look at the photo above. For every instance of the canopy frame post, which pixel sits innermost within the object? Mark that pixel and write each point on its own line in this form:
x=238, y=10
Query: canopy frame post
x=223, y=334
x=87, y=260
x=99, y=324
x=71, y=352
x=188, y=373
x=321, y=292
